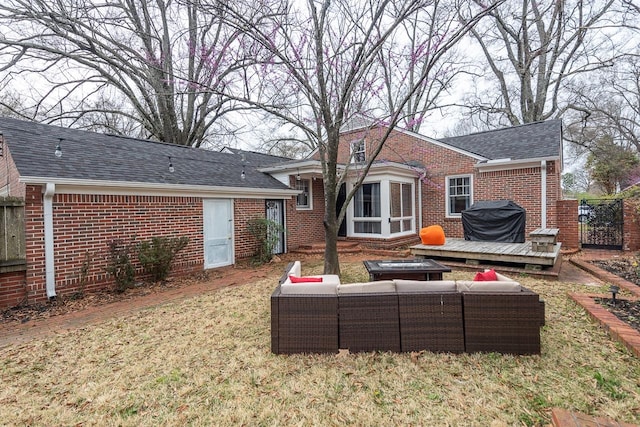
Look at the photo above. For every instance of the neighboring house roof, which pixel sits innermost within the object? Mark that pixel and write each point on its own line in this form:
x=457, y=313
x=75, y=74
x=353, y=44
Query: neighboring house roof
x=529, y=141
x=89, y=156
x=256, y=159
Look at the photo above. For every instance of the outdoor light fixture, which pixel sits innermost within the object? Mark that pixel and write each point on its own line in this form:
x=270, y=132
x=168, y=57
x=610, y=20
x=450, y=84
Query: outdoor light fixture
x=242, y=174
x=58, y=151
x=298, y=175
x=171, y=168
x=614, y=290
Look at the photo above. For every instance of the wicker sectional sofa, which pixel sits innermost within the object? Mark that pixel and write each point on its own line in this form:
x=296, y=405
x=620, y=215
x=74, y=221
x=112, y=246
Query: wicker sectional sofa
x=404, y=315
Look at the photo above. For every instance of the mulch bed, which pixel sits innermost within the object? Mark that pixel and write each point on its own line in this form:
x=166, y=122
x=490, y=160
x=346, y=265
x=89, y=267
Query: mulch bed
x=628, y=269
x=76, y=302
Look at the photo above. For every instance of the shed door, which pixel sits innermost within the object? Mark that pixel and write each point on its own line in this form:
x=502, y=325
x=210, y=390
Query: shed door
x=218, y=233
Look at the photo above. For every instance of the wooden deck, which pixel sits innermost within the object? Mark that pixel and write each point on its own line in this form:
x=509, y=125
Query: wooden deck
x=470, y=252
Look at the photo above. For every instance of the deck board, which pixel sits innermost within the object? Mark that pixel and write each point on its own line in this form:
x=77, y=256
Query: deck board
x=517, y=253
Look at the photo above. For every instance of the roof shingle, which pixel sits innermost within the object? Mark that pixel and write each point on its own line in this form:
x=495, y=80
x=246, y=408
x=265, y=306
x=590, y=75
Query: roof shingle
x=102, y=157
x=528, y=141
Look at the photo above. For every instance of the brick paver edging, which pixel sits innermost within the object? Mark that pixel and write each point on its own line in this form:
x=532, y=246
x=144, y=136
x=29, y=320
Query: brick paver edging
x=606, y=276
x=615, y=327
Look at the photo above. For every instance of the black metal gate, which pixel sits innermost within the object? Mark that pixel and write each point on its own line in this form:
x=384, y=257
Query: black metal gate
x=601, y=223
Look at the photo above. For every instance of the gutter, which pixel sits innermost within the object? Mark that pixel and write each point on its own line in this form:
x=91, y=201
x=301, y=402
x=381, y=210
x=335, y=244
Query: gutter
x=82, y=186
x=49, y=262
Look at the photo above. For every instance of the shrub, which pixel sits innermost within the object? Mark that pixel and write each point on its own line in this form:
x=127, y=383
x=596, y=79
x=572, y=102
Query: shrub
x=267, y=233
x=119, y=264
x=156, y=256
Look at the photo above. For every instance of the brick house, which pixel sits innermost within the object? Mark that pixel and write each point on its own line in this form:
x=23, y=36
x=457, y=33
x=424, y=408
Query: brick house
x=418, y=181
x=82, y=190
x=105, y=187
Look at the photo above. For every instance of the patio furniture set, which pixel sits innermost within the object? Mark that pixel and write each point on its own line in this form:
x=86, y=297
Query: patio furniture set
x=403, y=315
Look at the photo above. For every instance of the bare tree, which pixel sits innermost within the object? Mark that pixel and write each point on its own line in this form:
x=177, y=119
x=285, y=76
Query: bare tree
x=412, y=53
x=157, y=63
x=533, y=49
x=610, y=103
x=319, y=68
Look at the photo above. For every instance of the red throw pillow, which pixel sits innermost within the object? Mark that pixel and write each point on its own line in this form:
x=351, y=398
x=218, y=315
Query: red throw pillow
x=487, y=276
x=295, y=279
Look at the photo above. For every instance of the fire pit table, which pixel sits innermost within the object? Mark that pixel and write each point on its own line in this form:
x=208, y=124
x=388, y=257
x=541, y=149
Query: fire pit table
x=409, y=269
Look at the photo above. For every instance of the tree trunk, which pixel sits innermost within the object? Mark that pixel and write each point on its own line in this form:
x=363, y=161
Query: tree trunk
x=331, y=263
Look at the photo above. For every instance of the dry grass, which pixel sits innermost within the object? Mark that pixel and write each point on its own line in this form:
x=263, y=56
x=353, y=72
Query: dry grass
x=207, y=361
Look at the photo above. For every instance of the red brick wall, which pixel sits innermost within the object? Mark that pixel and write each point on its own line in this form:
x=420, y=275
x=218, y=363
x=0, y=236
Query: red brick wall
x=34, y=243
x=523, y=186
x=87, y=223
x=245, y=210
x=306, y=226
x=567, y=216
x=631, y=238
x=13, y=289
x=9, y=175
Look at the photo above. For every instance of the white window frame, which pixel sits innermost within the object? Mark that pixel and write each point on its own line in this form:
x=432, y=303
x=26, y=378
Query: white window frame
x=402, y=218
x=384, y=180
x=309, y=206
x=358, y=151
x=448, y=179
x=370, y=219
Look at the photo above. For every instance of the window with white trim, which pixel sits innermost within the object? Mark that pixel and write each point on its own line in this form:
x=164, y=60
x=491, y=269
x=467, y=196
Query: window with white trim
x=358, y=151
x=367, y=211
x=459, y=194
x=303, y=200
x=401, y=207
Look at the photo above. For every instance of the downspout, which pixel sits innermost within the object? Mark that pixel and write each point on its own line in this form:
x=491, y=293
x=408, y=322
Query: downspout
x=543, y=194
x=49, y=263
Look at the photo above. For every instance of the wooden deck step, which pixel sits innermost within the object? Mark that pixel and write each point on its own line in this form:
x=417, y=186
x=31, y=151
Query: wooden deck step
x=564, y=418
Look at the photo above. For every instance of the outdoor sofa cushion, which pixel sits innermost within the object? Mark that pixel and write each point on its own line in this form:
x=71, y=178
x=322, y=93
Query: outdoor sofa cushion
x=367, y=287
x=493, y=286
x=327, y=287
x=425, y=285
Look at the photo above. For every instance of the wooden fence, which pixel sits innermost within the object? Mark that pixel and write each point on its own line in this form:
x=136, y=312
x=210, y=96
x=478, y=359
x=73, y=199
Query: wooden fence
x=12, y=242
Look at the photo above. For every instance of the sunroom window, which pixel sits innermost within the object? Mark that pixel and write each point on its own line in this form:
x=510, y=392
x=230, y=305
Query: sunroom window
x=401, y=204
x=367, y=209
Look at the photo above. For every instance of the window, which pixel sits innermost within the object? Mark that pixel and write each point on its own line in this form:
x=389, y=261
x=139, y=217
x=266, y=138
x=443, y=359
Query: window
x=303, y=200
x=401, y=204
x=357, y=151
x=458, y=194
x=367, y=210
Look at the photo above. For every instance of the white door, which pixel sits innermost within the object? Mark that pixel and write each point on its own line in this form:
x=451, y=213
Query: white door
x=218, y=233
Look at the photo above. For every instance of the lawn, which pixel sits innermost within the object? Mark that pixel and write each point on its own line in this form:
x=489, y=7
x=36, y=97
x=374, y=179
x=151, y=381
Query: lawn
x=207, y=361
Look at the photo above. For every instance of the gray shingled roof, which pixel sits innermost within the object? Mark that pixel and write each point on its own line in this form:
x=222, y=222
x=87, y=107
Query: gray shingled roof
x=529, y=141
x=101, y=157
x=258, y=159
